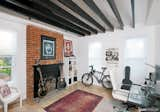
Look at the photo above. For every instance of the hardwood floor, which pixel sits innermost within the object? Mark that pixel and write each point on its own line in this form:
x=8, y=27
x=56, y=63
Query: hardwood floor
x=106, y=105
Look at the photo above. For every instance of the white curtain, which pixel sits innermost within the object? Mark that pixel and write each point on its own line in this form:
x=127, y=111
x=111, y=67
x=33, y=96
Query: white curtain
x=7, y=42
x=95, y=55
x=135, y=57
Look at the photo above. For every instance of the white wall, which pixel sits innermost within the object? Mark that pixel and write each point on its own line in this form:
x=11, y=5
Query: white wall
x=157, y=50
x=117, y=39
x=18, y=25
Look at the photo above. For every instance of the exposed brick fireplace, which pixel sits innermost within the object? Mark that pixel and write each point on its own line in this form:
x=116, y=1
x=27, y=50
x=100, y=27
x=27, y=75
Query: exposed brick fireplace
x=34, y=52
x=50, y=72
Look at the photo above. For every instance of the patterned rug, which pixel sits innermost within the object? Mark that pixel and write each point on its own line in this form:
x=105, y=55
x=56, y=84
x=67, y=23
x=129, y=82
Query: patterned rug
x=77, y=101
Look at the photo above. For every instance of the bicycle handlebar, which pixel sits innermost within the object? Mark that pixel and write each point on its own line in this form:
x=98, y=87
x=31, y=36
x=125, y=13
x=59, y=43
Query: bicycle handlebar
x=103, y=69
x=91, y=66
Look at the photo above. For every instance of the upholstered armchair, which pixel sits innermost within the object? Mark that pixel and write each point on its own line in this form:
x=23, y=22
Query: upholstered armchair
x=117, y=92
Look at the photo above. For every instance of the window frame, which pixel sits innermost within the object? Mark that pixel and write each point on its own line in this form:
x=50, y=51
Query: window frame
x=11, y=67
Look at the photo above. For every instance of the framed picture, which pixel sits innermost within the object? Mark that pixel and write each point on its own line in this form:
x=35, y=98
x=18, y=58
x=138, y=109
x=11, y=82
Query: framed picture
x=68, y=48
x=48, y=47
x=112, y=55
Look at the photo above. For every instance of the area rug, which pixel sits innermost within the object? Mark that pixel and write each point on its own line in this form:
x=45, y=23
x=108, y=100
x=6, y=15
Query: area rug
x=77, y=101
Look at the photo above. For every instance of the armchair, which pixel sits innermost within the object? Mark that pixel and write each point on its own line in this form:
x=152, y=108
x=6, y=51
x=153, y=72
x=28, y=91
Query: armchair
x=14, y=95
x=117, y=92
x=121, y=91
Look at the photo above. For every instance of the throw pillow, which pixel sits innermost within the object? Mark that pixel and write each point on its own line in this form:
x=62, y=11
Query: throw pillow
x=5, y=90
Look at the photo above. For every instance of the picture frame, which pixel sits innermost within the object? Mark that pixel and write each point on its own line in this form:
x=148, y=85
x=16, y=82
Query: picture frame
x=112, y=55
x=48, y=47
x=68, y=48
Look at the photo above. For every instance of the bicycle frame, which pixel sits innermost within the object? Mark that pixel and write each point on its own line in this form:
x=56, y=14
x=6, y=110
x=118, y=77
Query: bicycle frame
x=93, y=72
x=99, y=80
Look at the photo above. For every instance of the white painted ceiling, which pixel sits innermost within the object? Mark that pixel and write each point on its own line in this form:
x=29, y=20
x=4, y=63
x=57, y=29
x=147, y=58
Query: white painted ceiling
x=147, y=12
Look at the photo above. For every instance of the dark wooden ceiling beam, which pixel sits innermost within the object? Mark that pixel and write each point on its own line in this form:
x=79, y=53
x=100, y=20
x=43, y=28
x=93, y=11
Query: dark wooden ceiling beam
x=53, y=17
x=61, y=12
x=20, y=8
x=133, y=13
x=95, y=8
x=116, y=12
x=74, y=7
x=57, y=18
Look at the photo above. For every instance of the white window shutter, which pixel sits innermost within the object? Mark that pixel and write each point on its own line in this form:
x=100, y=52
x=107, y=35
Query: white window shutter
x=7, y=42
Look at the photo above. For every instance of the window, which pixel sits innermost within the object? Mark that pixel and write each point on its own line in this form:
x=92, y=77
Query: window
x=135, y=48
x=5, y=67
x=135, y=57
x=95, y=56
x=7, y=53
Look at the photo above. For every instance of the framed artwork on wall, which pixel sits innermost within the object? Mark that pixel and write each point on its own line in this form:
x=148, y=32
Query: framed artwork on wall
x=48, y=47
x=112, y=55
x=68, y=48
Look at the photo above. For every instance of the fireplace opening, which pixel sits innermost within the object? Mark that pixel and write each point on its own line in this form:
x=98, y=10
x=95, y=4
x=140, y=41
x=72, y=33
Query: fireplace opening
x=50, y=76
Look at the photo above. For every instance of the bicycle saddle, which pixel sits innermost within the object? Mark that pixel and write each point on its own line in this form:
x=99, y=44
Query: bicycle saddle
x=104, y=68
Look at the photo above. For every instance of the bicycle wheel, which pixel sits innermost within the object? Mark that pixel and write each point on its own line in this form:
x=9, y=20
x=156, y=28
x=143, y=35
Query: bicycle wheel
x=106, y=83
x=87, y=79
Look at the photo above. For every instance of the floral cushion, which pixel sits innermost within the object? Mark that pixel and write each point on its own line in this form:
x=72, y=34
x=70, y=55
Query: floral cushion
x=4, y=88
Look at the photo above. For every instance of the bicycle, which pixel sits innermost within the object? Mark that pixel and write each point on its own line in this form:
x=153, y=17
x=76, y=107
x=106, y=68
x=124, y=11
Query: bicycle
x=87, y=78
